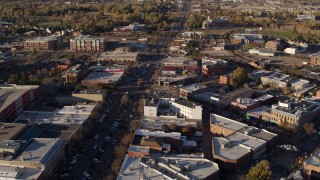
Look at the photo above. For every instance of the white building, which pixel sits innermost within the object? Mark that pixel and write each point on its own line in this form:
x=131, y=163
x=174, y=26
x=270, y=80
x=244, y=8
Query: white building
x=162, y=104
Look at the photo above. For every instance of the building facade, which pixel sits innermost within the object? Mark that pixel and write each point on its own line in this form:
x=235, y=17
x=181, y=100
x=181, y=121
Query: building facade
x=52, y=42
x=87, y=43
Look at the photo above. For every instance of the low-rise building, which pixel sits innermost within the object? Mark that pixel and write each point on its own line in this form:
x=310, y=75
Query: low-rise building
x=52, y=42
x=101, y=78
x=14, y=99
x=292, y=114
x=226, y=99
x=243, y=105
x=180, y=63
x=193, y=89
x=79, y=96
x=162, y=104
x=312, y=165
x=315, y=59
x=130, y=27
x=277, y=79
x=10, y=131
x=74, y=74
x=213, y=66
x=230, y=154
x=86, y=43
x=225, y=79
x=273, y=45
x=223, y=126
x=118, y=56
x=182, y=166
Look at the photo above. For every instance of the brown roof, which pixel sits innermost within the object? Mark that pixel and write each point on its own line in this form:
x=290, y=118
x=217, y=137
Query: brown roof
x=10, y=131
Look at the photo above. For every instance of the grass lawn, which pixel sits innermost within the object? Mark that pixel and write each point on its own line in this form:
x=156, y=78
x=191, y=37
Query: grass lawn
x=278, y=33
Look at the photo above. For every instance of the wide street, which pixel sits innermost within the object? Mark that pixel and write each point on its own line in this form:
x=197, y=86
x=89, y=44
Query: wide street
x=97, y=153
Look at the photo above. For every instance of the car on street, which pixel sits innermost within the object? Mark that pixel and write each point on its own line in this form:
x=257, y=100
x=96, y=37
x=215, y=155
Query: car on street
x=95, y=146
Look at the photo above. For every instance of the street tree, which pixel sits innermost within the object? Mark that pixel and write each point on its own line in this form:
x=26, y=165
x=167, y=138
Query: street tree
x=124, y=100
x=238, y=77
x=309, y=128
x=260, y=171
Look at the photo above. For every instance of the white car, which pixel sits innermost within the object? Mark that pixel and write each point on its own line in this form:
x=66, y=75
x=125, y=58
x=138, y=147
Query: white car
x=95, y=146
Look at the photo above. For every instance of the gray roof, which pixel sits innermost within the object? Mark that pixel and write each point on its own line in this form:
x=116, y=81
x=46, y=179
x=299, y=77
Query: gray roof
x=258, y=133
x=40, y=150
x=227, y=149
x=226, y=122
x=248, y=141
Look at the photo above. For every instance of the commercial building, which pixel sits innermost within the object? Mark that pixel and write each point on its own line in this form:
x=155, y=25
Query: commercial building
x=312, y=165
x=118, y=56
x=273, y=45
x=20, y=172
x=193, y=89
x=14, y=99
x=256, y=114
x=262, y=52
x=182, y=166
x=79, y=96
x=292, y=113
x=315, y=59
x=277, y=79
x=86, y=43
x=243, y=105
x=226, y=99
x=77, y=114
x=10, y=131
x=230, y=154
x=248, y=39
x=40, y=153
x=162, y=104
x=74, y=74
x=52, y=42
x=220, y=125
x=213, y=66
x=104, y=78
x=216, y=23
x=131, y=27
x=225, y=79
x=180, y=63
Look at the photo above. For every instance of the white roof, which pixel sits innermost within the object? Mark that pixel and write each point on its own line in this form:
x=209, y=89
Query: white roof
x=142, y=132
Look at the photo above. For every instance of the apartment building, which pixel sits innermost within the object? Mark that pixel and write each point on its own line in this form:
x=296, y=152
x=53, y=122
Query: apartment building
x=52, y=42
x=292, y=113
x=315, y=59
x=86, y=43
x=273, y=45
x=14, y=99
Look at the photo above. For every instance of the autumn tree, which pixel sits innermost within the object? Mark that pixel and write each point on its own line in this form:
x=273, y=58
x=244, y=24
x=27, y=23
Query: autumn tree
x=309, y=128
x=124, y=100
x=260, y=171
x=238, y=77
x=172, y=127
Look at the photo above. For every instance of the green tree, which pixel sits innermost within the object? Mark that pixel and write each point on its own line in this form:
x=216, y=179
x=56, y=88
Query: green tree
x=260, y=171
x=238, y=77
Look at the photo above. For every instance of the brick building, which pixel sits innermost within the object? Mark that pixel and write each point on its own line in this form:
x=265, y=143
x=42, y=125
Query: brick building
x=52, y=42
x=315, y=59
x=14, y=99
x=87, y=43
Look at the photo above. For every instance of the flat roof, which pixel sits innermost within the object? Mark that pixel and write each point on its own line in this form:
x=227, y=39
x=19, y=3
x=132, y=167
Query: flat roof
x=157, y=123
x=40, y=150
x=227, y=149
x=314, y=159
x=226, y=122
x=186, y=103
x=102, y=77
x=193, y=87
x=258, y=133
x=264, y=97
x=61, y=131
x=9, y=131
x=258, y=111
x=19, y=172
x=169, y=167
x=67, y=115
x=132, y=169
x=249, y=141
x=206, y=96
x=143, y=132
x=138, y=149
x=87, y=37
x=73, y=69
x=299, y=82
x=10, y=93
